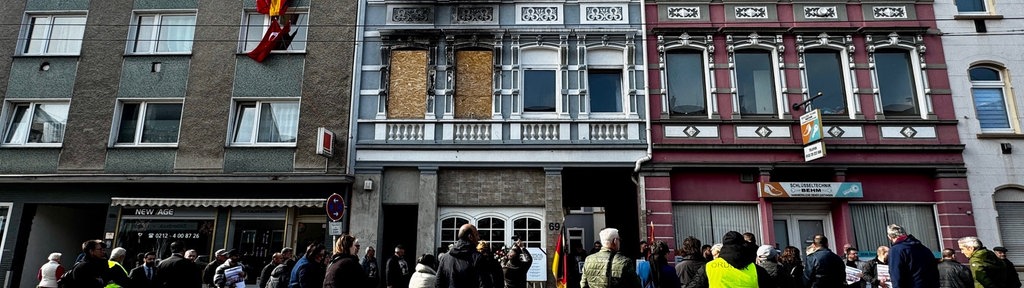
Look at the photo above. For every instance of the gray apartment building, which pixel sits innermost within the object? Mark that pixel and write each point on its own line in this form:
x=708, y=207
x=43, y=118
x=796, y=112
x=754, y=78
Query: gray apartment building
x=515, y=116
x=145, y=122
x=982, y=41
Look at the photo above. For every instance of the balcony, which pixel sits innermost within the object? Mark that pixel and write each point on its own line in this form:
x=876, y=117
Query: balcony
x=514, y=131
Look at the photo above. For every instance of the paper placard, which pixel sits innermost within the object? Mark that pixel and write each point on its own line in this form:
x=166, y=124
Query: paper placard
x=852, y=275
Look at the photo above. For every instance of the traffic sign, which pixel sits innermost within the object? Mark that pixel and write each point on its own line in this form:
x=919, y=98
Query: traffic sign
x=335, y=207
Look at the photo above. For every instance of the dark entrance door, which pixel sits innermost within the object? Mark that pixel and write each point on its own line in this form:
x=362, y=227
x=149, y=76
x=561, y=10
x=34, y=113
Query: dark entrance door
x=399, y=227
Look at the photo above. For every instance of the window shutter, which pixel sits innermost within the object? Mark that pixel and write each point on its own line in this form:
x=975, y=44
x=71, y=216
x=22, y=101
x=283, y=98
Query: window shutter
x=1011, y=229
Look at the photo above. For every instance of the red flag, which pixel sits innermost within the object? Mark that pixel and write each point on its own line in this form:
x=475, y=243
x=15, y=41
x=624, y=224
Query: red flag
x=270, y=40
x=559, y=263
x=271, y=7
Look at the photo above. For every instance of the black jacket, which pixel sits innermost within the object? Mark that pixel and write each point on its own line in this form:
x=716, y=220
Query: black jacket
x=791, y=275
x=208, y=272
x=139, y=280
x=871, y=273
x=395, y=275
x=687, y=269
x=1012, y=279
x=515, y=268
x=178, y=272
x=824, y=269
x=954, y=275
x=89, y=273
x=265, y=275
x=345, y=271
x=772, y=269
x=459, y=268
x=912, y=265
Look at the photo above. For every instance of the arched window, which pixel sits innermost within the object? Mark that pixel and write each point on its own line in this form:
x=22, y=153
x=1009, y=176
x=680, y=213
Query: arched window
x=529, y=230
x=450, y=229
x=492, y=230
x=990, y=102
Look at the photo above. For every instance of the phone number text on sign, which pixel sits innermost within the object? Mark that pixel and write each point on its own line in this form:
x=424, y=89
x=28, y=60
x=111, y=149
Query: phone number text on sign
x=172, y=235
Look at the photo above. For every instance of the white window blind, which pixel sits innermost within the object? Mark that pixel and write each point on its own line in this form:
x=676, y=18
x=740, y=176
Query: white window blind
x=1011, y=229
x=709, y=222
x=870, y=221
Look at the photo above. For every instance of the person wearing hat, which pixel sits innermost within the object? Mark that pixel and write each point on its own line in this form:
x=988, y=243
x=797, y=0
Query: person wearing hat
x=220, y=278
x=211, y=268
x=766, y=258
x=1012, y=279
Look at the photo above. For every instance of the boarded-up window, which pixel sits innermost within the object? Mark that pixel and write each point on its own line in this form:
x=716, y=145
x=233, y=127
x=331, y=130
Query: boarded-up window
x=473, y=84
x=407, y=96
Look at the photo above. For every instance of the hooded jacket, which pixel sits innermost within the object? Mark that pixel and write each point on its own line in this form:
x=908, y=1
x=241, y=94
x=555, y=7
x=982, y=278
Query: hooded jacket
x=459, y=268
x=424, y=277
x=912, y=265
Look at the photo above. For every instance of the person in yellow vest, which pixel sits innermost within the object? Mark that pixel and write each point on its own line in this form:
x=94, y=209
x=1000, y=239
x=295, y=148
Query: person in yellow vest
x=734, y=267
x=117, y=276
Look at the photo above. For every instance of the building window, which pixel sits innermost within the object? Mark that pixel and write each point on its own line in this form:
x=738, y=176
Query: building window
x=540, y=80
x=990, y=102
x=971, y=6
x=755, y=81
x=407, y=87
x=148, y=123
x=870, y=220
x=54, y=35
x=492, y=230
x=450, y=230
x=473, y=84
x=529, y=231
x=896, y=85
x=257, y=24
x=1010, y=209
x=162, y=33
x=36, y=123
x=605, y=90
x=687, y=95
x=263, y=122
x=5, y=214
x=708, y=222
x=824, y=73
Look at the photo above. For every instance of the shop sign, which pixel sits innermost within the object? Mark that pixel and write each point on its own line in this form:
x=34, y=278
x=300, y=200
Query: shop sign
x=814, y=151
x=810, y=126
x=165, y=212
x=325, y=142
x=256, y=213
x=810, y=190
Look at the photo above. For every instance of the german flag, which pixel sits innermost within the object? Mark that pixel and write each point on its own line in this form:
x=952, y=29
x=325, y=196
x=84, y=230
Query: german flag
x=560, y=261
x=271, y=7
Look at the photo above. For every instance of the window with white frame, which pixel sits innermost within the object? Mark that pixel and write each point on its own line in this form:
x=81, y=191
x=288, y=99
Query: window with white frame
x=541, y=79
x=896, y=82
x=256, y=26
x=265, y=122
x=687, y=95
x=494, y=224
x=5, y=215
x=54, y=35
x=162, y=33
x=708, y=222
x=971, y=6
x=870, y=220
x=35, y=123
x=990, y=101
x=143, y=123
x=755, y=81
x=824, y=73
x=604, y=80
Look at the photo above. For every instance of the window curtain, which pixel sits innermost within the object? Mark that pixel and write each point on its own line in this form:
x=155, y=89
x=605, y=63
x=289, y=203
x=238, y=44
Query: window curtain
x=870, y=222
x=279, y=122
x=66, y=35
x=51, y=119
x=176, y=33
x=991, y=108
x=17, y=132
x=709, y=222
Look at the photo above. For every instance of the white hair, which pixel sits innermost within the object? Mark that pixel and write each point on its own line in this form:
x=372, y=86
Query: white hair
x=368, y=248
x=717, y=248
x=969, y=241
x=608, y=235
x=894, y=231
x=117, y=253
x=54, y=256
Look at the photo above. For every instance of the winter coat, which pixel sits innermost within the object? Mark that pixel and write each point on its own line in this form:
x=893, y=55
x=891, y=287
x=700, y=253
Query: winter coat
x=220, y=278
x=1012, y=279
x=954, y=275
x=791, y=275
x=687, y=268
x=460, y=268
x=515, y=268
x=265, y=275
x=699, y=280
x=911, y=265
x=370, y=267
x=596, y=273
x=209, y=271
x=396, y=275
x=772, y=269
x=824, y=269
x=345, y=271
x=178, y=272
x=116, y=276
x=279, y=277
x=871, y=273
x=988, y=270
x=89, y=273
x=306, y=274
x=424, y=277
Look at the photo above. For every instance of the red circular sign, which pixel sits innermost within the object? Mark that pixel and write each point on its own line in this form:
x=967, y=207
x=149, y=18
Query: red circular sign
x=335, y=207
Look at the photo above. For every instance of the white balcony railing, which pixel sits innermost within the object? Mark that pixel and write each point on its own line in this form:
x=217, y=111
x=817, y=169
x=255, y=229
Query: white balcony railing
x=506, y=131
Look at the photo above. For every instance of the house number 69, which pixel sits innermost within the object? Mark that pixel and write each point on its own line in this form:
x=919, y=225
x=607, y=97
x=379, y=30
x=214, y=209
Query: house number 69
x=554, y=226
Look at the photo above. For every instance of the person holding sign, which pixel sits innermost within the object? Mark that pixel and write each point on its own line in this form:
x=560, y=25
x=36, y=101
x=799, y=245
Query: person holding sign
x=872, y=277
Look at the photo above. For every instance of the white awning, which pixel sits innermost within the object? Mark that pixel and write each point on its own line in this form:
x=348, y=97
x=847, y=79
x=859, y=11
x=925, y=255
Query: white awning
x=203, y=202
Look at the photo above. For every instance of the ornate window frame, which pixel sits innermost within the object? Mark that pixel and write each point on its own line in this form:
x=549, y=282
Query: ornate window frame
x=509, y=214
x=843, y=45
x=914, y=45
x=1007, y=95
x=706, y=46
x=541, y=44
x=775, y=46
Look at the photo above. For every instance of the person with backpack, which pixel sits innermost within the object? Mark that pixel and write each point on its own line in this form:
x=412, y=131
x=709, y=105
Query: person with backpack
x=89, y=272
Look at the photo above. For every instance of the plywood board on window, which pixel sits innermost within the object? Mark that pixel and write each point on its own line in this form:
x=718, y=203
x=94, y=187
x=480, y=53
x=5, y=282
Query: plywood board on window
x=473, y=84
x=408, y=88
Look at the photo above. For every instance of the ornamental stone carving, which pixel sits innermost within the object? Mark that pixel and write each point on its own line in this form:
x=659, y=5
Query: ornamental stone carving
x=412, y=15
x=684, y=12
x=889, y=12
x=820, y=12
x=539, y=14
x=752, y=12
x=474, y=14
x=604, y=14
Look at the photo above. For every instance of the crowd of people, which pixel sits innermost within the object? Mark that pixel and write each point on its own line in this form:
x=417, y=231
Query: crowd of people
x=467, y=263
x=737, y=261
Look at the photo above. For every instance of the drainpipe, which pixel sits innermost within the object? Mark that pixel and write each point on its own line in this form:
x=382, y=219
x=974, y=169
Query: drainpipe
x=357, y=68
x=642, y=193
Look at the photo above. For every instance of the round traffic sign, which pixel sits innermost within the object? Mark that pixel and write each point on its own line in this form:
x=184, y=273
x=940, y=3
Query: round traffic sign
x=335, y=207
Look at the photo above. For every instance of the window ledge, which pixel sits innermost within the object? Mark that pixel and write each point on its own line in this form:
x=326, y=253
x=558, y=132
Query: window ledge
x=1000, y=136
x=134, y=146
x=244, y=53
x=289, y=145
x=45, y=55
x=20, y=146
x=978, y=17
x=157, y=54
